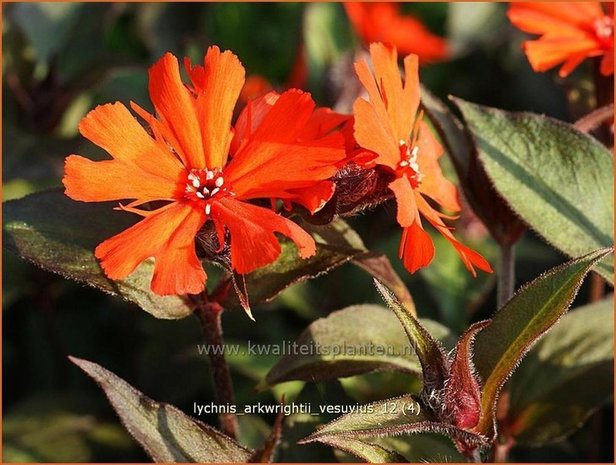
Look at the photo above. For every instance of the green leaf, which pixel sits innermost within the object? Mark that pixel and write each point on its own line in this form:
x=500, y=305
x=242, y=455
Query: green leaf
x=534, y=309
x=390, y=417
x=357, y=339
x=565, y=377
x=430, y=353
x=558, y=179
x=60, y=235
x=166, y=434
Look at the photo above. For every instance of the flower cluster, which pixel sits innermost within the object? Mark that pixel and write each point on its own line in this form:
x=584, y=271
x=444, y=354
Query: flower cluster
x=195, y=167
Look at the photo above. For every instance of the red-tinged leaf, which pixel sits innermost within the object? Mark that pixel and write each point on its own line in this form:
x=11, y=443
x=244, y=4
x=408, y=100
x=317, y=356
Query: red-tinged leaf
x=390, y=417
x=430, y=352
x=558, y=180
x=503, y=223
x=567, y=376
x=515, y=328
x=166, y=434
x=364, y=449
x=60, y=235
x=462, y=396
x=342, y=339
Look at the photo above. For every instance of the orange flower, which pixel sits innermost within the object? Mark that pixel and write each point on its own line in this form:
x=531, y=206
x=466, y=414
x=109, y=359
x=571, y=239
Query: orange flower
x=204, y=170
x=389, y=125
x=570, y=33
x=382, y=22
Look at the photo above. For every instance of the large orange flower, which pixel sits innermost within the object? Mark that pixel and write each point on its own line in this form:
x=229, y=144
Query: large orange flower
x=389, y=125
x=204, y=171
x=570, y=33
x=382, y=22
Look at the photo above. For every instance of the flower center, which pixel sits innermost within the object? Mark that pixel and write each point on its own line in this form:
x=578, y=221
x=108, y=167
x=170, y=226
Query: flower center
x=204, y=185
x=604, y=27
x=408, y=164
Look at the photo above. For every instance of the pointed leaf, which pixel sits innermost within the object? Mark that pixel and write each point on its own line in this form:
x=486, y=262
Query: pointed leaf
x=534, y=309
x=565, y=377
x=494, y=212
x=390, y=417
x=558, y=179
x=462, y=398
x=166, y=434
x=60, y=235
x=430, y=352
x=355, y=340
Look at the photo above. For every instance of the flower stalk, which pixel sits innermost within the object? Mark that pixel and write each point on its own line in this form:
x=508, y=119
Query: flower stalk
x=209, y=314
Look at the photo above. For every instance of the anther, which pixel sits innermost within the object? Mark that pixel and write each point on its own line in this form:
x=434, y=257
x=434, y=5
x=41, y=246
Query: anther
x=208, y=208
x=219, y=181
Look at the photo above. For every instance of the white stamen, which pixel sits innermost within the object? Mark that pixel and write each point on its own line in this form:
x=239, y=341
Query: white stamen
x=415, y=152
x=209, y=175
x=194, y=179
x=208, y=208
x=402, y=142
x=214, y=191
x=219, y=181
x=404, y=163
x=200, y=195
x=206, y=191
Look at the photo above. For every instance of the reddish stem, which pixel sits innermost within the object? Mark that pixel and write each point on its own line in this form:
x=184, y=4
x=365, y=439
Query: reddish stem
x=209, y=314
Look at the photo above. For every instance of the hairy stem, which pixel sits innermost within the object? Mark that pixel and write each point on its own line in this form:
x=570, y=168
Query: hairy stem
x=506, y=275
x=209, y=314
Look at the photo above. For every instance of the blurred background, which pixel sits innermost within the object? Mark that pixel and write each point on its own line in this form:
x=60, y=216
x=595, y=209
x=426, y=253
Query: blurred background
x=62, y=59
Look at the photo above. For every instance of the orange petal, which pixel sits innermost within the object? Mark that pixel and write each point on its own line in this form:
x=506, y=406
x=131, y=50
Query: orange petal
x=405, y=200
x=469, y=257
x=383, y=22
x=313, y=197
x=223, y=82
x=416, y=247
x=541, y=17
x=434, y=184
x=322, y=121
x=401, y=105
x=252, y=228
x=273, y=159
x=546, y=53
x=287, y=117
x=167, y=235
x=268, y=169
x=176, y=109
x=250, y=117
x=375, y=133
x=100, y=181
x=115, y=130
